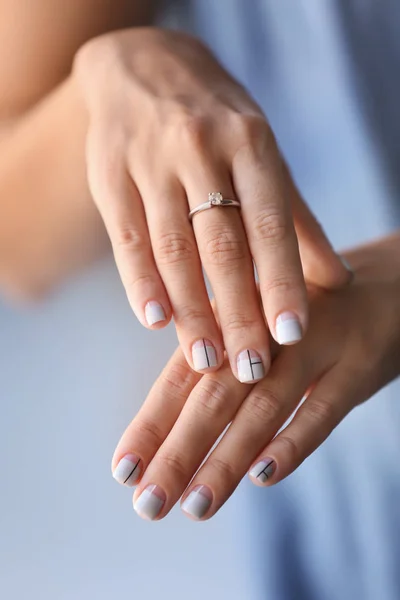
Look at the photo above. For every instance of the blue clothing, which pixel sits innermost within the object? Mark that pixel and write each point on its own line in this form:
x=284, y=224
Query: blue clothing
x=326, y=74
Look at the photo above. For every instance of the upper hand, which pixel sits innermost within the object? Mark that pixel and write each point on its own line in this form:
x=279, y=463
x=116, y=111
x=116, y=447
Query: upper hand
x=167, y=126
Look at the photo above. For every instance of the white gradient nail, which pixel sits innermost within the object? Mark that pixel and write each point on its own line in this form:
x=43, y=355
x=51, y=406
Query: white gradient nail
x=288, y=329
x=128, y=470
x=263, y=470
x=204, y=355
x=150, y=502
x=154, y=313
x=250, y=367
x=198, y=502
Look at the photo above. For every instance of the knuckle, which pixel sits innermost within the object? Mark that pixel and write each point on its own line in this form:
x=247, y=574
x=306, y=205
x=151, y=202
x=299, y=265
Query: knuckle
x=189, y=314
x=269, y=226
x=224, y=248
x=282, y=284
x=290, y=448
x=174, y=248
x=179, y=379
x=226, y=473
x=321, y=411
x=174, y=464
x=149, y=431
x=264, y=406
x=239, y=321
x=192, y=130
x=130, y=238
x=211, y=397
x=254, y=133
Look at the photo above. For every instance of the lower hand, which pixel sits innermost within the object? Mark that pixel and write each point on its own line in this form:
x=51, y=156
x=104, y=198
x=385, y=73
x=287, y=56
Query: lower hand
x=167, y=126
x=351, y=350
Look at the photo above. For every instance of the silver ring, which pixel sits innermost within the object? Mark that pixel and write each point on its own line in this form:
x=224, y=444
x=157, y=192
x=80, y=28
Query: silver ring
x=214, y=199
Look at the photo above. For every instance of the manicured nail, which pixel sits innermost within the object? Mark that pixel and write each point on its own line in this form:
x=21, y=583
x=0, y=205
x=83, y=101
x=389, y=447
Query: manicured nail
x=154, y=312
x=128, y=470
x=198, y=502
x=150, y=502
x=204, y=355
x=263, y=470
x=249, y=366
x=347, y=266
x=288, y=329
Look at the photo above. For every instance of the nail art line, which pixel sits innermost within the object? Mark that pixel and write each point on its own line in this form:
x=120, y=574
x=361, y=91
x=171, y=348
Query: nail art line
x=133, y=470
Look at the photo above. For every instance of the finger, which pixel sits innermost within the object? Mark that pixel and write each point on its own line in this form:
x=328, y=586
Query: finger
x=328, y=403
x=122, y=211
x=321, y=265
x=260, y=416
x=179, y=265
x=227, y=261
x=210, y=407
x=148, y=430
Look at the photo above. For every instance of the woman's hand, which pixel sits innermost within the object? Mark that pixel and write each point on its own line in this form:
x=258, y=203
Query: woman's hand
x=168, y=126
x=351, y=350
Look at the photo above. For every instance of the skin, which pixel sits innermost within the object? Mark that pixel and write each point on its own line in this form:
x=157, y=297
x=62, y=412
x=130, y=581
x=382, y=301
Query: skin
x=168, y=125
x=49, y=225
x=184, y=413
x=163, y=124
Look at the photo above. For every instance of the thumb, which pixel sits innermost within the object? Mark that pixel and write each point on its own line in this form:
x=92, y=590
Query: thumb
x=322, y=266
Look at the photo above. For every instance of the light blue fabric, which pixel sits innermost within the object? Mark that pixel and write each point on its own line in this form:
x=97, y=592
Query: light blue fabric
x=332, y=530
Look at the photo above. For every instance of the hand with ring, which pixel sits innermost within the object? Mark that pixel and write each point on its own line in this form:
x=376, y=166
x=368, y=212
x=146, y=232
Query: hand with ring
x=171, y=133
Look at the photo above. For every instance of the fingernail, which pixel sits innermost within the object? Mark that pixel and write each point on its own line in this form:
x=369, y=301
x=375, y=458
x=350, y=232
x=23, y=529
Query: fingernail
x=198, y=502
x=154, y=312
x=128, y=470
x=263, y=470
x=347, y=266
x=204, y=355
x=249, y=366
x=288, y=329
x=150, y=502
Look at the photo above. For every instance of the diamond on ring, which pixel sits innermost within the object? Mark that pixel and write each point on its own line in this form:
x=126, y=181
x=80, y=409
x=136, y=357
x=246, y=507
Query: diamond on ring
x=215, y=198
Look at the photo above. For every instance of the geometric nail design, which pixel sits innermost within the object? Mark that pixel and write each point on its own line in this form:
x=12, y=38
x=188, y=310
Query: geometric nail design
x=204, y=355
x=154, y=312
x=263, y=470
x=198, y=502
x=150, y=502
x=288, y=329
x=249, y=366
x=128, y=470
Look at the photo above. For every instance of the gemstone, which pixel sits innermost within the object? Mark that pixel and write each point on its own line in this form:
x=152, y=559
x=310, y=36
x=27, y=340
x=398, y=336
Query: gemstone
x=215, y=198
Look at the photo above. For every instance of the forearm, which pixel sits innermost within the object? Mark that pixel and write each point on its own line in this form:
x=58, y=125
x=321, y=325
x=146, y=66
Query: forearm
x=48, y=225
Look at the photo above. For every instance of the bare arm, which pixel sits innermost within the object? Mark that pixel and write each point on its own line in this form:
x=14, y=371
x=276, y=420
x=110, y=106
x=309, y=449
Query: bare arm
x=48, y=223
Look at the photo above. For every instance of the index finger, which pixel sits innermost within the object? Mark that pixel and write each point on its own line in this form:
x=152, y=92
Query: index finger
x=151, y=426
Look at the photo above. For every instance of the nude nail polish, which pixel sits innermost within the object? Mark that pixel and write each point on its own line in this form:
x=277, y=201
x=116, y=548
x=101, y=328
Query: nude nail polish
x=288, y=329
x=128, y=470
x=263, y=470
x=204, y=355
x=150, y=502
x=154, y=313
x=198, y=502
x=250, y=367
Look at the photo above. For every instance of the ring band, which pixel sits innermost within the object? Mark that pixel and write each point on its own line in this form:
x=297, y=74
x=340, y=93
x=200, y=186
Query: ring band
x=214, y=199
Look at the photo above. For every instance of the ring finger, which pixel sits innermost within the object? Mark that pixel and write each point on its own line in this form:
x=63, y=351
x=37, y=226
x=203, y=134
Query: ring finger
x=228, y=263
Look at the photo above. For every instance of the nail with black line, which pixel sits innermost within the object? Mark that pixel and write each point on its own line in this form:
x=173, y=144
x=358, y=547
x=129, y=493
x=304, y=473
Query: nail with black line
x=204, y=355
x=128, y=470
x=263, y=470
x=250, y=367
